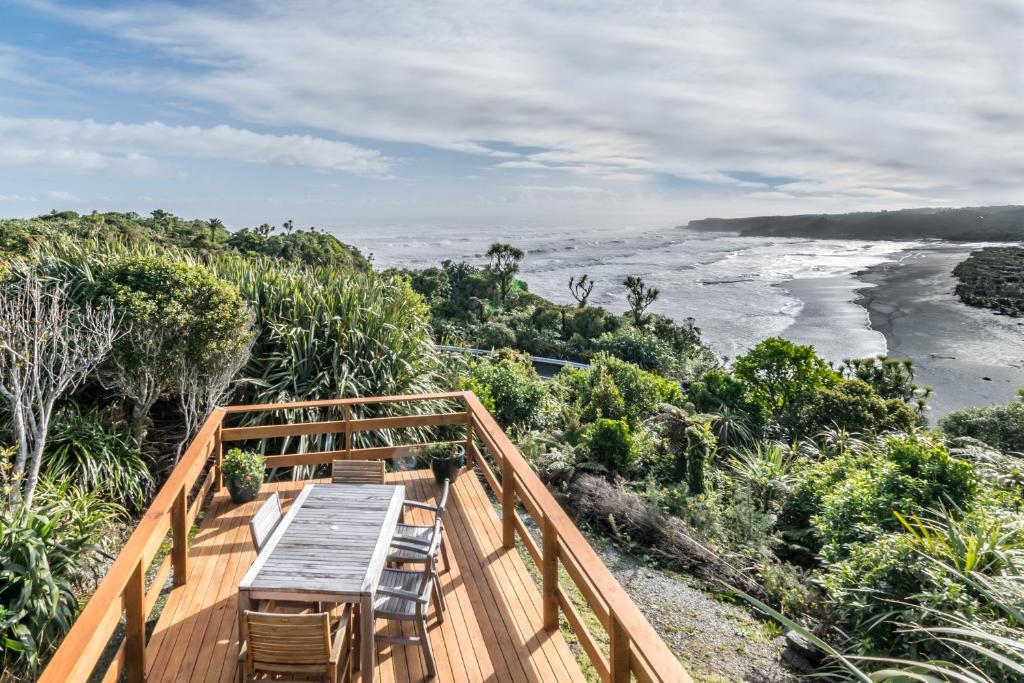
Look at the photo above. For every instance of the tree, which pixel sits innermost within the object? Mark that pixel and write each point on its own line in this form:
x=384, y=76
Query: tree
x=639, y=296
x=581, y=289
x=215, y=225
x=47, y=347
x=202, y=386
x=891, y=379
x=177, y=313
x=505, y=264
x=784, y=380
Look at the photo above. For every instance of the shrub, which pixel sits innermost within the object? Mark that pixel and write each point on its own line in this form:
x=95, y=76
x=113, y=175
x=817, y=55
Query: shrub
x=784, y=381
x=81, y=449
x=516, y=389
x=1001, y=426
x=325, y=333
x=603, y=397
x=494, y=335
x=852, y=498
x=700, y=448
x=43, y=554
x=643, y=393
x=610, y=445
x=640, y=348
x=853, y=405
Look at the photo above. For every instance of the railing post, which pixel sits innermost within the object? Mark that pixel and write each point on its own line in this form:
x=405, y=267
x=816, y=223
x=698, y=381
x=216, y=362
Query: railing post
x=135, y=626
x=218, y=456
x=348, y=431
x=179, y=531
x=508, y=503
x=619, y=661
x=549, y=574
x=469, y=436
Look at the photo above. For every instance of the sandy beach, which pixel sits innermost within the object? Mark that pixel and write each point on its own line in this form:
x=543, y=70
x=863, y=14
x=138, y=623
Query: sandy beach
x=971, y=356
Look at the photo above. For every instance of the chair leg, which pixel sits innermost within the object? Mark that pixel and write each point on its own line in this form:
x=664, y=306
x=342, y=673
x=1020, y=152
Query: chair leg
x=439, y=605
x=440, y=593
x=444, y=555
x=428, y=650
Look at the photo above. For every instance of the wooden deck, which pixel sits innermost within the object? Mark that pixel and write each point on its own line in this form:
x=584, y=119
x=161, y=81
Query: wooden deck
x=493, y=629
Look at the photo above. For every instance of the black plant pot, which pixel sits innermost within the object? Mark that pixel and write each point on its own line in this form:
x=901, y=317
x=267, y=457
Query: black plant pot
x=243, y=489
x=448, y=467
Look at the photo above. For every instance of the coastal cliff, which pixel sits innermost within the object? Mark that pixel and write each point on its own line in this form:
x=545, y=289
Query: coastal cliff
x=968, y=224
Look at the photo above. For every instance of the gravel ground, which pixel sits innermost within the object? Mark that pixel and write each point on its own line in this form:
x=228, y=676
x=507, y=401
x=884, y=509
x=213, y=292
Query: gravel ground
x=717, y=641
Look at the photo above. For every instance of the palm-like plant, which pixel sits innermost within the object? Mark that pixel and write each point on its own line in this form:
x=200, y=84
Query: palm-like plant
x=325, y=334
x=766, y=470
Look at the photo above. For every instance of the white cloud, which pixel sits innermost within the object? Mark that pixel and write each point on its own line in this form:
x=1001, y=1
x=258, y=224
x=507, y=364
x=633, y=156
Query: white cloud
x=87, y=145
x=863, y=102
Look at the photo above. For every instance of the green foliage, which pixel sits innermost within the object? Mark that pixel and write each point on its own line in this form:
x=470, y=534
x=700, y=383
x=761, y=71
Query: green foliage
x=164, y=230
x=603, y=397
x=43, y=553
x=784, y=380
x=767, y=471
x=243, y=464
x=853, y=405
x=324, y=334
x=516, y=390
x=921, y=576
x=851, y=498
x=305, y=247
x=609, y=444
x=106, y=460
x=505, y=264
x=639, y=297
x=196, y=314
x=642, y=349
x=1000, y=426
x=700, y=449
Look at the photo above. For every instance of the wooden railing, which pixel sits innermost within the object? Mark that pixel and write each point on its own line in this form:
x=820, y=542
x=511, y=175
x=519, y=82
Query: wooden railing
x=635, y=649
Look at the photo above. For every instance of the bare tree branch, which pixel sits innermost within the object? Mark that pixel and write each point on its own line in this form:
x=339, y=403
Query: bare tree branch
x=47, y=347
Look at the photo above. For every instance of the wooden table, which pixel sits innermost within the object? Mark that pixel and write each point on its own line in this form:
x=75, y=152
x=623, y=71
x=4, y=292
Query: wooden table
x=330, y=547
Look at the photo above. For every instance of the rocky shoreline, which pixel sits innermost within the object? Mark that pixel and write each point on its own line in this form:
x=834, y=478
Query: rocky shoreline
x=971, y=356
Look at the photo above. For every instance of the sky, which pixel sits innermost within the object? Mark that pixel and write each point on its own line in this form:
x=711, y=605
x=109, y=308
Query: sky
x=326, y=112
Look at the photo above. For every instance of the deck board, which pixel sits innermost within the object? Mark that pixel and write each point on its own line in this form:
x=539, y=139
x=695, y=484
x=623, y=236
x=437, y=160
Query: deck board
x=493, y=628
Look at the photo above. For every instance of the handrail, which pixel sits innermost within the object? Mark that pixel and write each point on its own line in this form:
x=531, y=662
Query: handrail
x=635, y=649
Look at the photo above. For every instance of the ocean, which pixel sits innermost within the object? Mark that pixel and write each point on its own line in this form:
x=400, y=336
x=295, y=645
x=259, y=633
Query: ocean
x=740, y=290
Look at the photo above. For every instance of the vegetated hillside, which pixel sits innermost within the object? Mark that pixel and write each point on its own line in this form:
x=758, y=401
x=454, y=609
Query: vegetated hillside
x=969, y=224
x=993, y=278
x=161, y=229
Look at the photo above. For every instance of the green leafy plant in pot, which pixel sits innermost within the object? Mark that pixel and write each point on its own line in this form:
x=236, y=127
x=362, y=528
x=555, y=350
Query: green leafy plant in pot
x=446, y=459
x=243, y=474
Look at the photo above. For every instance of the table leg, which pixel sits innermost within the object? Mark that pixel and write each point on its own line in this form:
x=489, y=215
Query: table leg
x=244, y=603
x=368, y=654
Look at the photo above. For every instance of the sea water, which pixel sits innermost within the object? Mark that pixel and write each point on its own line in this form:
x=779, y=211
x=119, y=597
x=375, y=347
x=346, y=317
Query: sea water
x=738, y=290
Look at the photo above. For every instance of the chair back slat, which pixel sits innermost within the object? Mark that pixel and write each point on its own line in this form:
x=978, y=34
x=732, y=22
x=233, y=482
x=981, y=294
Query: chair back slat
x=287, y=642
x=428, y=567
x=266, y=519
x=357, y=472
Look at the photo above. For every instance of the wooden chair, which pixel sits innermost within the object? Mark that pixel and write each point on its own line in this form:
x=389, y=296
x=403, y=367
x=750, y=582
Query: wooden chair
x=266, y=519
x=357, y=472
x=412, y=540
x=261, y=527
x=405, y=595
x=296, y=647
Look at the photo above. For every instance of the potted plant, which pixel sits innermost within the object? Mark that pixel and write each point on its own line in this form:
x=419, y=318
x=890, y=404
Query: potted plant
x=446, y=459
x=243, y=474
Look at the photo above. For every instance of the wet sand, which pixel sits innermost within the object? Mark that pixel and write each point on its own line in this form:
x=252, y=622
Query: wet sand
x=971, y=356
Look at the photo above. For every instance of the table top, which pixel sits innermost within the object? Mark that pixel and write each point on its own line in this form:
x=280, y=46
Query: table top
x=333, y=543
